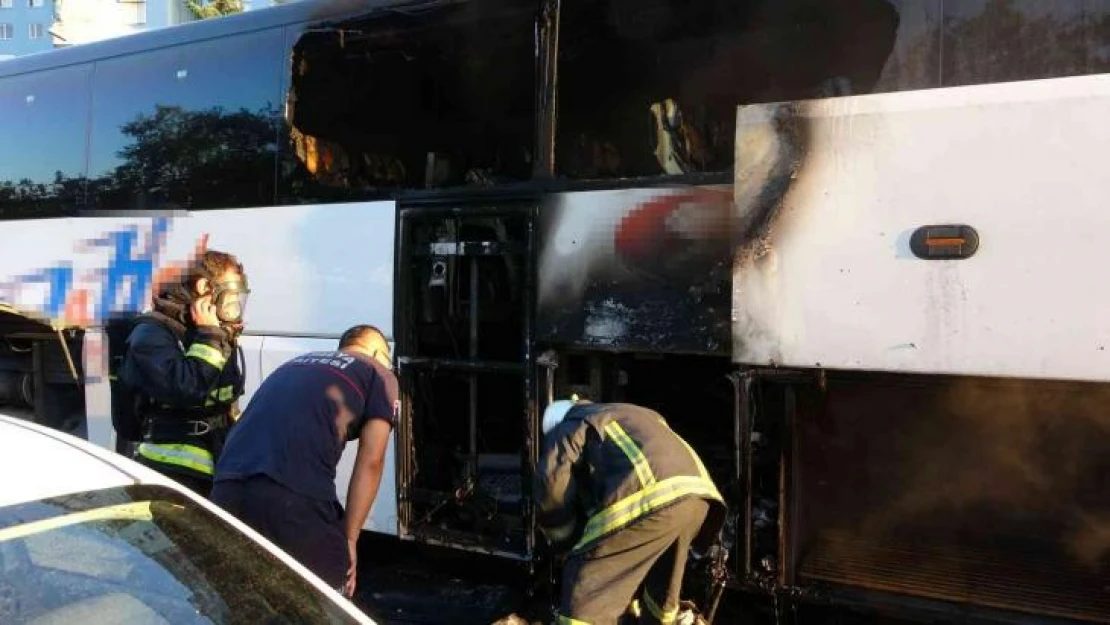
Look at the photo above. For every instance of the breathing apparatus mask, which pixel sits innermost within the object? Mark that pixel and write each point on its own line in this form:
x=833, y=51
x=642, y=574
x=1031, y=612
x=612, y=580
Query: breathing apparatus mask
x=230, y=300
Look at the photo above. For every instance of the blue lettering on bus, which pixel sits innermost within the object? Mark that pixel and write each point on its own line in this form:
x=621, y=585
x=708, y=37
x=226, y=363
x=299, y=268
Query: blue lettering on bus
x=125, y=265
x=58, y=281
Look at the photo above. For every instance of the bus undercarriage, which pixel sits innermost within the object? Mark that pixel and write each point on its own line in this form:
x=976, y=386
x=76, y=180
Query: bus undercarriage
x=41, y=373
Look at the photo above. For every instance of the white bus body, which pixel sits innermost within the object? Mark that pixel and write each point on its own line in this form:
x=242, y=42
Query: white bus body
x=830, y=281
x=849, y=250
x=313, y=271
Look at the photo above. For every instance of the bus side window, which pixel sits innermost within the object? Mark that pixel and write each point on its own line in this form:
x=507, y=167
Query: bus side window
x=651, y=88
x=188, y=127
x=442, y=98
x=42, y=154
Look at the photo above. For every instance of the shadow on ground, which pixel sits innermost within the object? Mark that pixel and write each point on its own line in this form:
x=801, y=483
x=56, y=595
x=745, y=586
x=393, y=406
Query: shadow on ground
x=411, y=584
x=419, y=584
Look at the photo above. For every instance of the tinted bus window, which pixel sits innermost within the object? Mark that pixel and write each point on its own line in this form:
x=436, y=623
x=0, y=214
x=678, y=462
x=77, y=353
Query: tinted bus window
x=190, y=127
x=442, y=97
x=42, y=152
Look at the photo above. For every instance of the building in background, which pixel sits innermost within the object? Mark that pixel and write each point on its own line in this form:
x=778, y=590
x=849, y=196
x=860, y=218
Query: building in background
x=25, y=26
x=262, y=4
x=83, y=21
x=28, y=26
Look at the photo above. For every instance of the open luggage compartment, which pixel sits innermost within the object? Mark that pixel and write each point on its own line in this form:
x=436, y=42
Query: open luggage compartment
x=467, y=438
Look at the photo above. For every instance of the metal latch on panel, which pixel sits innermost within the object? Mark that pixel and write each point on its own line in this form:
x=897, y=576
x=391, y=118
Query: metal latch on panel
x=944, y=242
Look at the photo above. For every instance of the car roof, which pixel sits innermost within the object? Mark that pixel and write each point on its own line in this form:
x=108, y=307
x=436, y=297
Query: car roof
x=37, y=462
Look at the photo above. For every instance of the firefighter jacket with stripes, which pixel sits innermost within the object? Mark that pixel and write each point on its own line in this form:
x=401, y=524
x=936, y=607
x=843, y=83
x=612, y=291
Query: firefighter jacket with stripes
x=612, y=465
x=188, y=381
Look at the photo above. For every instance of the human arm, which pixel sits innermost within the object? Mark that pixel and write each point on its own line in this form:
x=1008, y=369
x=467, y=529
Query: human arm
x=363, y=489
x=170, y=375
x=369, y=465
x=555, y=486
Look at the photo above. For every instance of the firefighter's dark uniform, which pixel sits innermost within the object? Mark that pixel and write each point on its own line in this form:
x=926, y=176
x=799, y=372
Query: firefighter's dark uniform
x=187, y=381
x=646, y=497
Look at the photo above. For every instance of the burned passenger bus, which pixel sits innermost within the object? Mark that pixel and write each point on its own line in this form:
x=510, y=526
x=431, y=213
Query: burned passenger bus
x=838, y=245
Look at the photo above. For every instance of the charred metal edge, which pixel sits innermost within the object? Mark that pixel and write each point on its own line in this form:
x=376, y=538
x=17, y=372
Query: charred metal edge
x=547, y=93
x=794, y=128
x=532, y=431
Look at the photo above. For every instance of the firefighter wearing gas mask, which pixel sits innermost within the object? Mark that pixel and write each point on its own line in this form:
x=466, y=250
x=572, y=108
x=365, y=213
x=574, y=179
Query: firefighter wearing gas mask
x=183, y=370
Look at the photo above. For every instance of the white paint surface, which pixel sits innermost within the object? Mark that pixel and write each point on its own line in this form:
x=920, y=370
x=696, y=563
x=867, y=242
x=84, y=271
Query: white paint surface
x=313, y=271
x=1023, y=163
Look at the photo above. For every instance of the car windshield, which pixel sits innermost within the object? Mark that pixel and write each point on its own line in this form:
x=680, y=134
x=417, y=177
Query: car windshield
x=143, y=554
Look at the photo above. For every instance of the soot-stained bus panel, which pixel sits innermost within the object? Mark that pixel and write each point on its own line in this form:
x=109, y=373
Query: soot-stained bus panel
x=646, y=94
x=938, y=231
x=636, y=269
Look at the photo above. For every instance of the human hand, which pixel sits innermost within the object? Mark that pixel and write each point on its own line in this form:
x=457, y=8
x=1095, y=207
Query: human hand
x=352, y=553
x=204, y=312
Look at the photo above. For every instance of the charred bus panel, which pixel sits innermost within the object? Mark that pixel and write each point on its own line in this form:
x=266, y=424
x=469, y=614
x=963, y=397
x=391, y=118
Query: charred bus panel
x=832, y=194
x=468, y=438
x=944, y=443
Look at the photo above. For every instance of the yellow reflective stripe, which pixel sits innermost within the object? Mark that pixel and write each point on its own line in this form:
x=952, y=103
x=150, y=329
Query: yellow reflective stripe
x=208, y=354
x=566, y=620
x=634, y=609
x=189, y=456
x=664, y=616
x=644, y=501
x=630, y=449
x=222, y=394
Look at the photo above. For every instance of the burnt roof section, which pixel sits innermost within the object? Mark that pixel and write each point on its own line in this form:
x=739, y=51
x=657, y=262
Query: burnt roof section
x=272, y=17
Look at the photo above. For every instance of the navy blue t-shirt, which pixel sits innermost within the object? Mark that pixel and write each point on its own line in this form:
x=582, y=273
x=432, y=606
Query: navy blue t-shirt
x=296, y=425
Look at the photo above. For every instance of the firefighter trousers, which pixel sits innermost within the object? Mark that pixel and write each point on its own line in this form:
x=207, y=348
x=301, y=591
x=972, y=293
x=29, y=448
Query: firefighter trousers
x=644, y=561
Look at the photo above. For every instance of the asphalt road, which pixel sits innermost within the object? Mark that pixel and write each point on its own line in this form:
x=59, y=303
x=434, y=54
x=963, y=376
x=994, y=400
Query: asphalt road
x=426, y=585
x=415, y=584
